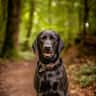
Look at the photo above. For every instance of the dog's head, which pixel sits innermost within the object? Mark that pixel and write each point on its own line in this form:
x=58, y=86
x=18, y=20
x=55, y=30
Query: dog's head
x=48, y=45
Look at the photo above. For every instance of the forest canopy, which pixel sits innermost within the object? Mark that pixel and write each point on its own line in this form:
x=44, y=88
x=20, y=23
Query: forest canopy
x=69, y=18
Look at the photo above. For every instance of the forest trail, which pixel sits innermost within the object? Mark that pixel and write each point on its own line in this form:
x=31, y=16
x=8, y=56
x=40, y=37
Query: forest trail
x=17, y=78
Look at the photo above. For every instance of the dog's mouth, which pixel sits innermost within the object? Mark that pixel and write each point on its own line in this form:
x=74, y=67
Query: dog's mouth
x=48, y=54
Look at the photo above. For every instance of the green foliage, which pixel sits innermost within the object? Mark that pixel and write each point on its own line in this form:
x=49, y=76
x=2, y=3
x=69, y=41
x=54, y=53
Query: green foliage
x=61, y=16
x=92, y=14
x=85, y=81
x=87, y=70
x=26, y=55
x=13, y=54
x=86, y=75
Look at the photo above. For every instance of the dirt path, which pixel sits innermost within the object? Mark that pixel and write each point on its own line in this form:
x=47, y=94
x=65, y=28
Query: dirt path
x=16, y=79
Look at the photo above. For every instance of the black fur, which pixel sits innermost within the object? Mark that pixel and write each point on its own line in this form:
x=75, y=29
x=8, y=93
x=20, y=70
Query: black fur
x=50, y=81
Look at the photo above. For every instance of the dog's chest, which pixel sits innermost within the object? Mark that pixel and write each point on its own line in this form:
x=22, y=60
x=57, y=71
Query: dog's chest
x=51, y=74
x=50, y=80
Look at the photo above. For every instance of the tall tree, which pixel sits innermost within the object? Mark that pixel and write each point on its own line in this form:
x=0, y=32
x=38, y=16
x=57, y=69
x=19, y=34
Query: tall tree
x=49, y=12
x=80, y=15
x=12, y=29
x=30, y=23
x=92, y=19
x=86, y=15
x=3, y=9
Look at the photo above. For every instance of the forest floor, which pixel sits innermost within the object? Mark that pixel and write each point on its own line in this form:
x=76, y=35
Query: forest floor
x=17, y=77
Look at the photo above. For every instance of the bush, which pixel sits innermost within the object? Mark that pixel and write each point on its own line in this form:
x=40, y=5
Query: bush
x=85, y=70
x=86, y=75
x=85, y=81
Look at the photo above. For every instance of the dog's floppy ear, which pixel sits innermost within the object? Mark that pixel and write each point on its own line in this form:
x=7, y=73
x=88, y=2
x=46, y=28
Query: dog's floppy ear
x=34, y=46
x=61, y=45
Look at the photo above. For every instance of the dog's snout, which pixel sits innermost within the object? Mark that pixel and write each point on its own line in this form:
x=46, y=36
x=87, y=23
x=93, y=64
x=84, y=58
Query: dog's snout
x=47, y=48
x=47, y=45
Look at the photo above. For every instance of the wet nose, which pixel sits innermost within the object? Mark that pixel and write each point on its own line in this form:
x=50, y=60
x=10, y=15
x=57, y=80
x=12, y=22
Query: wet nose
x=47, y=48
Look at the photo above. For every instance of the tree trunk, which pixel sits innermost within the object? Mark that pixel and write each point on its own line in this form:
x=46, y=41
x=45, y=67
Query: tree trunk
x=86, y=15
x=12, y=26
x=49, y=13
x=30, y=24
x=3, y=15
x=80, y=15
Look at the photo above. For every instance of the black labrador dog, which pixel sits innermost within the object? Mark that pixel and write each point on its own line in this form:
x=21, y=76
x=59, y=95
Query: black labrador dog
x=50, y=77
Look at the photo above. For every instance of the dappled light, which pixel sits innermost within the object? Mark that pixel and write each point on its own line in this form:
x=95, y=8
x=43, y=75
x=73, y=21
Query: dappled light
x=22, y=21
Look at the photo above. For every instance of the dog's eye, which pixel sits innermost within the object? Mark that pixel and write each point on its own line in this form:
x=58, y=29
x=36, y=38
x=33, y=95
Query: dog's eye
x=44, y=37
x=51, y=38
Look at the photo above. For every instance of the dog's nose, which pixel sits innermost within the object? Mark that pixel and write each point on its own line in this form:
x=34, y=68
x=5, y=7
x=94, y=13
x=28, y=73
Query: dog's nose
x=47, y=48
